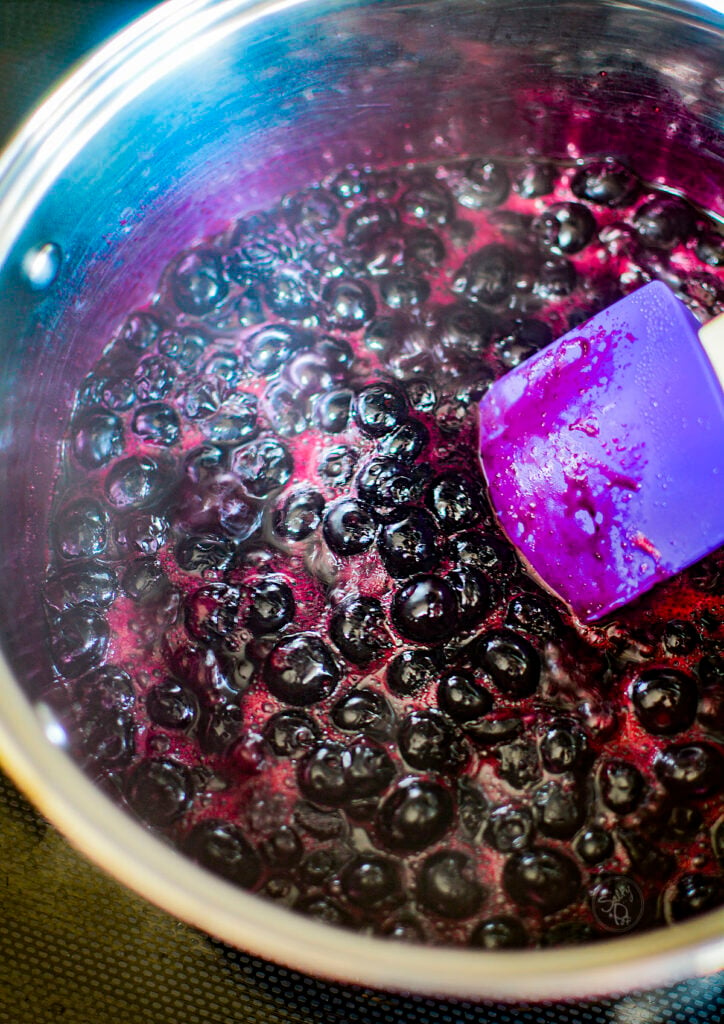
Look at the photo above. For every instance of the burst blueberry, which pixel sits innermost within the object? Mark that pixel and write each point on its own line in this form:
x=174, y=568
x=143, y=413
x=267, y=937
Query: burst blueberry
x=358, y=629
x=429, y=742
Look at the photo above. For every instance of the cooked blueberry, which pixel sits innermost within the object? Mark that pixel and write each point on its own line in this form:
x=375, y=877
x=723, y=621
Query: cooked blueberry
x=300, y=513
x=429, y=742
x=322, y=824
x=290, y=733
x=473, y=593
x=273, y=346
x=78, y=640
x=455, y=501
x=348, y=304
x=559, y=810
x=325, y=909
x=646, y=857
x=224, y=366
x=314, y=209
x=447, y=885
x=108, y=688
x=358, y=629
x=97, y=438
x=217, y=505
x=81, y=530
x=410, y=672
x=283, y=848
x=301, y=670
x=465, y=330
x=363, y=711
x=563, y=746
x=172, y=705
x=565, y=227
x=262, y=466
x=337, y=465
x=119, y=394
x=605, y=182
x=321, y=775
x=154, y=378
x=368, y=769
x=349, y=527
x=462, y=697
x=665, y=701
x=710, y=247
x=105, y=728
x=622, y=786
x=683, y=822
x=415, y=814
x=140, y=331
x=423, y=245
x=541, y=879
x=233, y=427
x=223, y=849
x=472, y=807
x=594, y=845
x=135, y=482
x=400, y=291
x=509, y=828
x=410, y=543
x=198, y=282
x=518, y=763
x=92, y=583
x=429, y=201
x=556, y=278
x=159, y=791
x=185, y=347
x=405, y=442
x=369, y=221
x=501, y=932
x=371, y=881
x=535, y=180
x=220, y=727
x=145, y=581
x=271, y=606
x=498, y=727
x=487, y=275
x=212, y=612
x=533, y=614
x=691, y=770
x=157, y=423
x=425, y=609
x=679, y=637
x=484, y=184
x=331, y=410
x=288, y=293
x=663, y=222
x=255, y=253
x=200, y=554
x=717, y=839
x=388, y=483
x=695, y=893
x=511, y=661
x=380, y=408
x=489, y=554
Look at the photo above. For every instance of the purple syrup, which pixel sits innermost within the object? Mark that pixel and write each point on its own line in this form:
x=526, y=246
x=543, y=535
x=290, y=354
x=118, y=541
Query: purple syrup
x=287, y=628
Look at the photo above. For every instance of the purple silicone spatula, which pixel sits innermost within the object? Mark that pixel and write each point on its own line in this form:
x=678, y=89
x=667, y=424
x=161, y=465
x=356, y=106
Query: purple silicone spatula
x=604, y=452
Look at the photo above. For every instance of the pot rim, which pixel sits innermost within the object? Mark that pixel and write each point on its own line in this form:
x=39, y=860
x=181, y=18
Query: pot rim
x=76, y=110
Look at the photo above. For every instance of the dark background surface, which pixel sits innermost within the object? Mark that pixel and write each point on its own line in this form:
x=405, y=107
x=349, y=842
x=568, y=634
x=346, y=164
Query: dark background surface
x=77, y=948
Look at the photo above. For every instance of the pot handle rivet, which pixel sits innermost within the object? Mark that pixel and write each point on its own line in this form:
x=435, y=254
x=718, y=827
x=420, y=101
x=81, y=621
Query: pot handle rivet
x=41, y=264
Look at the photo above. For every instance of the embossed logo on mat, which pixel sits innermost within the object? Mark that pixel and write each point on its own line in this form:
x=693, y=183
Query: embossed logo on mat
x=617, y=903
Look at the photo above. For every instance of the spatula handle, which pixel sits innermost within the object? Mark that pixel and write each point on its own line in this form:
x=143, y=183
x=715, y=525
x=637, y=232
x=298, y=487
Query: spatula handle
x=711, y=336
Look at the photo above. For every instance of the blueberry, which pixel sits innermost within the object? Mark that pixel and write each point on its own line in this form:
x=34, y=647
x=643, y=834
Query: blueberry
x=145, y=582
x=288, y=292
x=218, y=505
x=172, y=705
x=271, y=607
x=357, y=628
x=369, y=221
x=594, y=845
x=428, y=200
x=81, y=530
x=108, y=688
x=220, y=728
x=493, y=729
x=337, y=465
x=565, y=227
x=236, y=424
x=198, y=281
x=371, y=881
x=290, y=733
x=710, y=247
x=534, y=615
x=136, y=482
x=679, y=637
x=489, y=554
x=105, y=727
x=301, y=670
x=325, y=909
x=185, y=347
x=473, y=808
x=696, y=893
x=97, y=438
x=212, y=612
x=388, y=483
x=645, y=856
x=502, y=932
x=406, y=442
x=273, y=346
x=140, y=331
x=159, y=791
x=320, y=865
x=400, y=291
x=541, y=879
x=683, y=822
x=665, y=701
x=512, y=663
x=484, y=184
x=605, y=182
x=447, y=885
x=559, y=810
x=535, y=180
x=363, y=711
x=690, y=770
x=283, y=848
x=223, y=849
x=622, y=786
x=518, y=763
x=92, y=584
x=455, y=501
x=224, y=366
x=410, y=543
x=300, y=514
x=487, y=275
x=349, y=527
x=380, y=408
x=315, y=209
x=255, y=252
x=79, y=640
x=473, y=593
x=462, y=697
x=465, y=330
x=563, y=747
x=347, y=304
x=331, y=410
x=119, y=394
x=663, y=222
x=404, y=928
x=154, y=378
x=425, y=609
x=262, y=466
x=415, y=814
x=429, y=742
x=424, y=246
x=201, y=554
x=157, y=423
x=322, y=824
x=509, y=828
x=556, y=278
x=410, y=672
x=368, y=769
x=321, y=775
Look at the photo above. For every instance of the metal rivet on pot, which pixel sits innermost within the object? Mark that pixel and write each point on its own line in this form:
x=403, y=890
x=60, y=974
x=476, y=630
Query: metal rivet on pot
x=41, y=264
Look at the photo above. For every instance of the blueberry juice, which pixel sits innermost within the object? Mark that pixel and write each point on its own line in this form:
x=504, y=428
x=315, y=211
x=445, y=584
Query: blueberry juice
x=287, y=632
